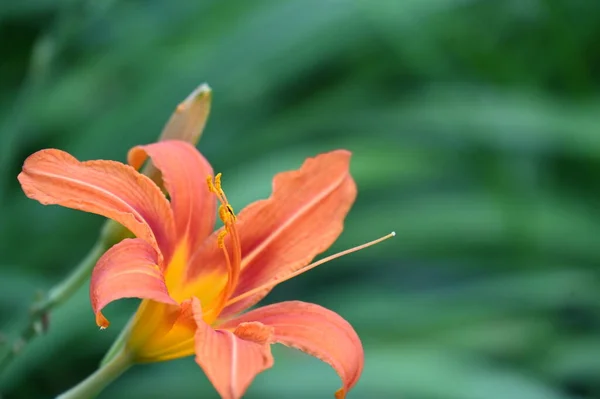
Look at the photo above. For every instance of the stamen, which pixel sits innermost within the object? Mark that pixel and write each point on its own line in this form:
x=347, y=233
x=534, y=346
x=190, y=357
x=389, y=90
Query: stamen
x=231, y=212
x=221, y=239
x=211, y=186
x=215, y=188
x=227, y=216
x=218, y=182
x=307, y=268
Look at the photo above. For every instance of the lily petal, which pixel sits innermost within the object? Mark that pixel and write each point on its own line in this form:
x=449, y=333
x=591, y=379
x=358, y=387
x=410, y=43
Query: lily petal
x=184, y=172
x=127, y=270
x=315, y=330
x=231, y=359
x=107, y=188
x=280, y=235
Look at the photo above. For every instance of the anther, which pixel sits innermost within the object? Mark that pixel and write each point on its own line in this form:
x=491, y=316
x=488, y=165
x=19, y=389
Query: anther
x=218, y=183
x=226, y=214
x=229, y=209
x=221, y=238
x=210, y=184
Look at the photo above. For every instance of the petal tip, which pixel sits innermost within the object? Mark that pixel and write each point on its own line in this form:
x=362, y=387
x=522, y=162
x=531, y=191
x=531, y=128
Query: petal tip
x=256, y=332
x=342, y=154
x=102, y=321
x=340, y=393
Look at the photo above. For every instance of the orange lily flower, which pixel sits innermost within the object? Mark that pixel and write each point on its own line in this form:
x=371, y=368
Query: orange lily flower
x=196, y=283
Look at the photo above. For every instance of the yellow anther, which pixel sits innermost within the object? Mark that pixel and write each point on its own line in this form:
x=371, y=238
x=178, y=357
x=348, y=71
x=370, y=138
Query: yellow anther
x=226, y=214
x=221, y=238
x=210, y=184
x=231, y=212
x=218, y=183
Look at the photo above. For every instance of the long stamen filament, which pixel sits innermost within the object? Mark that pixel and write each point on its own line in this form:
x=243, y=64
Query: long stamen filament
x=217, y=307
x=237, y=256
x=307, y=268
x=229, y=218
x=227, y=215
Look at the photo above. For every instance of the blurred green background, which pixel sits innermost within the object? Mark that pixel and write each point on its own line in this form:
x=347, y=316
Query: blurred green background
x=475, y=131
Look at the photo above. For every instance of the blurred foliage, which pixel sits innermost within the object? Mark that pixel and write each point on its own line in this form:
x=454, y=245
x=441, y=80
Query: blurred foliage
x=474, y=127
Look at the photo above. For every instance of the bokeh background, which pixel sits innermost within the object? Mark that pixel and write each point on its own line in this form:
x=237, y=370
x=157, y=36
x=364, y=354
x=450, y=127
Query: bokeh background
x=475, y=127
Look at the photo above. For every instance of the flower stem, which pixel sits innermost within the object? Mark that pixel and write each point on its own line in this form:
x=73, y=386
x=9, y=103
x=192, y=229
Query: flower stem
x=119, y=343
x=95, y=383
x=39, y=316
x=66, y=288
x=38, y=322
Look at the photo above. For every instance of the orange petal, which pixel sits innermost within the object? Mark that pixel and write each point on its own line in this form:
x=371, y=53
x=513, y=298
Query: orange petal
x=184, y=172
x=315, y=330
x=231, y=360
x=127, y=270
x=107, y=188
x=301, y=219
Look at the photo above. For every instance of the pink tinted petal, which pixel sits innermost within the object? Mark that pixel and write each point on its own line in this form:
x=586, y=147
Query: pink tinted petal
x=302, y=218
x=231, y=360
x=127, y=270
x=315, y=330
x=107, y=188
x=184, y=171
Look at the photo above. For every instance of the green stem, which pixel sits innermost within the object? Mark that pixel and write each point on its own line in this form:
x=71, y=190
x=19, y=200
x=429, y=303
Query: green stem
x=38, y=318
x=37, y=324
x=95, y=383
x=65, y=289
x=119, y=343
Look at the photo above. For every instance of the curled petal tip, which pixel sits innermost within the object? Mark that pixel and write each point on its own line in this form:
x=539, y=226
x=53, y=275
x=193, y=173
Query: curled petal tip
x=314, y=330
x=256, y=332
x=102, y=321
